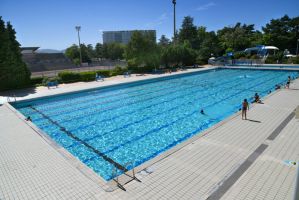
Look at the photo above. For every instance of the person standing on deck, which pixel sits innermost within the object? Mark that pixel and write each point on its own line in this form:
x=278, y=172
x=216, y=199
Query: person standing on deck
x=245, y=107
x=288, y=82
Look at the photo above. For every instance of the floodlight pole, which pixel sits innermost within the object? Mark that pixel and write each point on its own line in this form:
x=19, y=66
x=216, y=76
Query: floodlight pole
x=78, y=28
x=174, y=24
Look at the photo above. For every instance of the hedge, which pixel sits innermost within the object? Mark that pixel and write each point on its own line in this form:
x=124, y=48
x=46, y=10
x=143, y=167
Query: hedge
x=36, y=80
x=87, y=76
x=105, y=73
x=69, y=77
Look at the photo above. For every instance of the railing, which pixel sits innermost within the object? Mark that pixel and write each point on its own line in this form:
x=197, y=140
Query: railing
x=12, y=96
x=125, y=172
x=246, y=62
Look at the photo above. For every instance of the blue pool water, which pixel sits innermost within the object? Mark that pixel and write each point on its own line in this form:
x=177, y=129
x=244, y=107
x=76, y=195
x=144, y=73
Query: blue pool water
x=269, y=66
x=108, y=128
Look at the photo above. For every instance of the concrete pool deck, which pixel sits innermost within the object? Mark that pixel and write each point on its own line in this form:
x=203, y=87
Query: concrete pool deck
x=236, y=160
x=42, y=91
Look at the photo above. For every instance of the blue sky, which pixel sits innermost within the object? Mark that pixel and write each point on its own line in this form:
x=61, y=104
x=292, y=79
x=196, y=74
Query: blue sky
x=50, y=23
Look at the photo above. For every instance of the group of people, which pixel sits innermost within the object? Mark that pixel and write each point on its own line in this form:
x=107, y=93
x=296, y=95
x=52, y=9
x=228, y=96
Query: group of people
x=245, y=104
x=277, y=87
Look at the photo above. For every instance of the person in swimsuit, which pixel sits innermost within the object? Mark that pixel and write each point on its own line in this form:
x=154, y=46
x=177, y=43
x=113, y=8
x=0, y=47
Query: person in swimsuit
x=245, y=107
x=277, y=87
x=257, y=98
x=288, y=82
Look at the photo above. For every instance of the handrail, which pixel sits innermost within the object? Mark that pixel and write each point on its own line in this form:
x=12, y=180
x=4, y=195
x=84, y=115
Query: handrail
x=126, y=165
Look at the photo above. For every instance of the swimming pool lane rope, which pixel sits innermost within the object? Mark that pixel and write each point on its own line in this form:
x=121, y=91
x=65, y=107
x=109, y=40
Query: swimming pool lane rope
x=105, y=157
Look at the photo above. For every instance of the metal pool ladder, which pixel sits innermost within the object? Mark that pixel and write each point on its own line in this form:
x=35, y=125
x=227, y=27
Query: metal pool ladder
x=14, y=98
x=125, y=172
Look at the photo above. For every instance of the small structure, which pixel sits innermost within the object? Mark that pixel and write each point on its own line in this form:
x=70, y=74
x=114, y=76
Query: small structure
x=37, y=62
x=262, y=51
x=28, y=50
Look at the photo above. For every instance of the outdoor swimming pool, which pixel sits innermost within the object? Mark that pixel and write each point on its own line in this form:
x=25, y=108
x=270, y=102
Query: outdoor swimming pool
x=110, y=127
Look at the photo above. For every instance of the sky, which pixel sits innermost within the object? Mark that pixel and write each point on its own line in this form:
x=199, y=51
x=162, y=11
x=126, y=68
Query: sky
x=50, y=24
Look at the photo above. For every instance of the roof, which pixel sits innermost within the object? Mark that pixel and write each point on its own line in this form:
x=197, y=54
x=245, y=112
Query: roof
x=29, y=48
x=261, y=47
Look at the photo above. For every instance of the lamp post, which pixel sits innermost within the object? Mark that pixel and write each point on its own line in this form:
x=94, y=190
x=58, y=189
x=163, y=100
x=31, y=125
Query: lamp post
x=297, y=47
x=174, y=28
x=78, y=28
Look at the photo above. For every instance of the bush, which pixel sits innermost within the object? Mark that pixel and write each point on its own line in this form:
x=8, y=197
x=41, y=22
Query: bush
x=117, y=71
x=295, y=60
x=87, y=76
x=200, y=60
x=36, y=80
x=69, y=77
x=271, y=60
x=254, y=57
x=105, y=73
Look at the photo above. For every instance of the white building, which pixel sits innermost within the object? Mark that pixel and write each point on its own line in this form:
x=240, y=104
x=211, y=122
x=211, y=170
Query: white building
x=123, y=36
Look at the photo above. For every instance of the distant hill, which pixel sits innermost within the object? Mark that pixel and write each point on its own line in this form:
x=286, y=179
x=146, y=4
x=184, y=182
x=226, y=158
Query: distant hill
x=48, y=51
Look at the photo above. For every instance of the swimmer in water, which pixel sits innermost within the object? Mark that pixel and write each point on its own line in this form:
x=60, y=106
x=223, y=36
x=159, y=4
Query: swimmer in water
x=202, y=112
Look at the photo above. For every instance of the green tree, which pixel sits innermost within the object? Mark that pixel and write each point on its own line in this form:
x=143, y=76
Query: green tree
x=188, y=32
x=73, y=53
x=115, y=51
x=209, y=46
x=14, y=73
x=99, y=50
x=164, y=41
x=177, y=55
x=139, y=52
x=282, y=33
x=90, y=51
x=237, y=37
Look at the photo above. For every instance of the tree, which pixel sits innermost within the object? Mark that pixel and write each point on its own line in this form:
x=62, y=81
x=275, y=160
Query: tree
x=237, y=37
x=111, y=51
x=99, y=50
x=14, y=72
x=163, y=41
x=73, y=53
x=115, y=51
x=140, y=50
x=179, y=54
x=209, y=46
x=90, y=51
x=188, y=32
x=282, y=33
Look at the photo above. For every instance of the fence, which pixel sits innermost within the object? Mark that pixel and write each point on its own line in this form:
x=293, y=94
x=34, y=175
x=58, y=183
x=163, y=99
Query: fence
x=246, y=62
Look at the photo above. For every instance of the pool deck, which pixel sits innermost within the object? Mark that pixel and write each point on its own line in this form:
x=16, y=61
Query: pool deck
x=235, y=160
x=42, y=91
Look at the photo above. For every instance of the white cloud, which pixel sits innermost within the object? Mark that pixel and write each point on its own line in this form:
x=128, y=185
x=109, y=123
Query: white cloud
x=160, y=20
x=206, y=6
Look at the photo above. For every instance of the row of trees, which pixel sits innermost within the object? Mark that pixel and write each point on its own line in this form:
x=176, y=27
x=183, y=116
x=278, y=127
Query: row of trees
x=14, y=73
x=113, y=51
x=193, y=44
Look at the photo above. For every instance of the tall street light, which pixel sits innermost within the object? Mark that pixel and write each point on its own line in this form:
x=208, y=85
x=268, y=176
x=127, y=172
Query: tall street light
x=78, y=28
x=174, y=28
